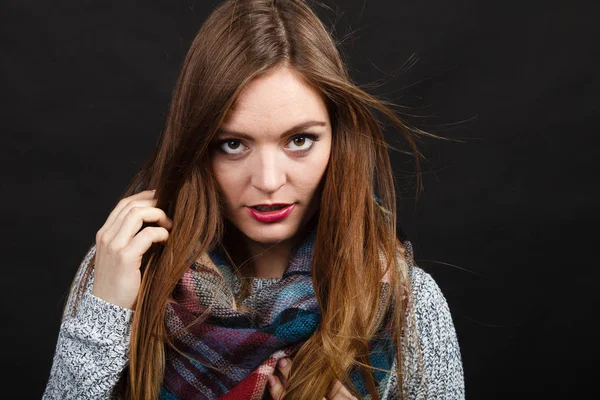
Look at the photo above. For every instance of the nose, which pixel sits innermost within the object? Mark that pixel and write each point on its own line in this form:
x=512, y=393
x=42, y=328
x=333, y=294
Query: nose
x=268, y=174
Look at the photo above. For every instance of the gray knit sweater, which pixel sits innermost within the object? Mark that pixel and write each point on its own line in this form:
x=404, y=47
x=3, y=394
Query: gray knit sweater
x=92, y=348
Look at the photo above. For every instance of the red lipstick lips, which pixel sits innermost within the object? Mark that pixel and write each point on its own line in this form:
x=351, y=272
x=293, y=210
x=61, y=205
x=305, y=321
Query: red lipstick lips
x=271, y=215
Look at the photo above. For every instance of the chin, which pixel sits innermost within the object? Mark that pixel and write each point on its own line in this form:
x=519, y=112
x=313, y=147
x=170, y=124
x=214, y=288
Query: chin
x=269, y=234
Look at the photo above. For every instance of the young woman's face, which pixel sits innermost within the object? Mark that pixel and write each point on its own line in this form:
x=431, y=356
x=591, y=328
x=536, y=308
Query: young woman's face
x=273, y=149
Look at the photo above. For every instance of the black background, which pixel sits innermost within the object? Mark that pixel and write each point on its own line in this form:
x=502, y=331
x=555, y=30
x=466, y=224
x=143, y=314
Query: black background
x=506, y=223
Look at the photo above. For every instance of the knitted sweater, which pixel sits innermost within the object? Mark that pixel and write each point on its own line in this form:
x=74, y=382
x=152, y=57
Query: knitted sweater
x=92, y=348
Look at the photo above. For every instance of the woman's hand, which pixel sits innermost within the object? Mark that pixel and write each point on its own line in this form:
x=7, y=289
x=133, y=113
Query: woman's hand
x=277, y=390
x=120, y=246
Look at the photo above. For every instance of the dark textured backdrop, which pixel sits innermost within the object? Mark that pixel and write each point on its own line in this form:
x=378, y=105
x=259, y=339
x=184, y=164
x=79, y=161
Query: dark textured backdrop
x=504, y=224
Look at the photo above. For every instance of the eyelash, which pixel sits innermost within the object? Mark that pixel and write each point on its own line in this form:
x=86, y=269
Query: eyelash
x=310, y=136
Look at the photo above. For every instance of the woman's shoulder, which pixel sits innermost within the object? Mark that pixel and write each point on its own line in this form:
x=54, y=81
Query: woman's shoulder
x=422, y=283
x=437, y=344
x=426, y=293
x=423, y=286
x=429, y=302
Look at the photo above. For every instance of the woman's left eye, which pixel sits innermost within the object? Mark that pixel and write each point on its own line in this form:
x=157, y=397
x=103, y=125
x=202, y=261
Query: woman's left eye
x=300, y=141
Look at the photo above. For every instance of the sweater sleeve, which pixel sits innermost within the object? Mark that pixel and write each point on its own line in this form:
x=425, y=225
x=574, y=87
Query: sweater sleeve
x=433, y=362
x=93, y=345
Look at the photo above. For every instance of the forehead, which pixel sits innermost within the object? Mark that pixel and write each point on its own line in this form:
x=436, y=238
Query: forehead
x=275, y=101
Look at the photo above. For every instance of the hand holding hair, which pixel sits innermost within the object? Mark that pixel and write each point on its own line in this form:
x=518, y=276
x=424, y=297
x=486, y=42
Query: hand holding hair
x=277, y=389
x=120, y=245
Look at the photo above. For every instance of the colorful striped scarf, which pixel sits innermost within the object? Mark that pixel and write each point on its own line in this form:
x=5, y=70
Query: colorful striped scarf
x=230, y=354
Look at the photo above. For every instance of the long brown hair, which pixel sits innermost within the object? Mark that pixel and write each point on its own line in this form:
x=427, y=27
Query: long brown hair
x=356, y=243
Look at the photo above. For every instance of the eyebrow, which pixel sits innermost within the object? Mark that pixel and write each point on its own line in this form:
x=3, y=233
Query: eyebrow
x=297, y=128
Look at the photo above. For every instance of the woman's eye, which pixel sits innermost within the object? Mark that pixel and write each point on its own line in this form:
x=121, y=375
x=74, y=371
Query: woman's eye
x=234, y=145
x=300, y=142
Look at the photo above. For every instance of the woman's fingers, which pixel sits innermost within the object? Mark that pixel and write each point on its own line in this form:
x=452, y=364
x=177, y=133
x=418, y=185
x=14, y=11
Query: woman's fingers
x=140, y=244
x=284, y=366
x=120, y=246
x=276, y=384
x=117, y=222
x=339, y=392
x=133, y=221
x=145, y=195
x=275, y=387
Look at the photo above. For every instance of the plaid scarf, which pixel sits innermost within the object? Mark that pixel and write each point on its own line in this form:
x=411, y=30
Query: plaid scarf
x=230, y=354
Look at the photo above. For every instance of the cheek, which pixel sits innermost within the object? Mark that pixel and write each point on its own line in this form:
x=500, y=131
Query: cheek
x=227, y=180
x=321, y=162
x=309, y=178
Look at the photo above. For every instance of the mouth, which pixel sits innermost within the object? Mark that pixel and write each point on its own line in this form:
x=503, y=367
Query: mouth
x=270, y=207
x=271, y=212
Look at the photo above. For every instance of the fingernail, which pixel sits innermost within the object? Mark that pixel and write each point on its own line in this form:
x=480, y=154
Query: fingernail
x=271, y=379
x=282, y=362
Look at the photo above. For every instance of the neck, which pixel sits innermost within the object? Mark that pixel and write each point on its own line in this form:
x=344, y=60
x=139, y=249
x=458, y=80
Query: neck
x=269, y=260
x=263, y=260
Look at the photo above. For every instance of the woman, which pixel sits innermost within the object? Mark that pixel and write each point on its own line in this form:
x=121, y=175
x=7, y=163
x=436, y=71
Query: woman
x=265, y=263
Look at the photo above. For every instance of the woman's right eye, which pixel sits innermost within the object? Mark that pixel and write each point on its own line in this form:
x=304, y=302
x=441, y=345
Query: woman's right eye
x=231, y=146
